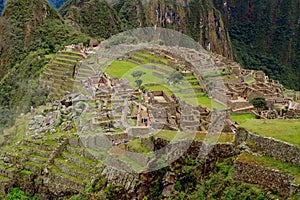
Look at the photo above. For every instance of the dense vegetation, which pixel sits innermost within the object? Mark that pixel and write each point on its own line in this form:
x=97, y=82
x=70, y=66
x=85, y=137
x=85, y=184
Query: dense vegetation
x=26, y=36
x=94, y=17
x=131, y=13
x=266, y=36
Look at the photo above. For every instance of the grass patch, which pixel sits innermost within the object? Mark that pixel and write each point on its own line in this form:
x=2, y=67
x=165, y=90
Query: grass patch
x=159, y=88
x=119, y=68
x=241, y=118
x=285, y=130
x=3, y=178
x=50, y=56
x=136, y=145
x=57, y=171
x=133, y=122
x=26, y=172
x=152, y=57
x=30, y=163
x=210, y=104
x=272, y=163
x=198, y=136
x=250, y=80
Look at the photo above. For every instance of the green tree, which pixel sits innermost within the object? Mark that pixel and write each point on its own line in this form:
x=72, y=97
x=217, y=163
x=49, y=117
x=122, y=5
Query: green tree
x=137, y=75
x=175, y=77
x=259, y=103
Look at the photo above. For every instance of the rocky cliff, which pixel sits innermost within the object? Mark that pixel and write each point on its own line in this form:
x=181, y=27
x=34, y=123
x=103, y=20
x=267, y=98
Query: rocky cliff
x=198, y=19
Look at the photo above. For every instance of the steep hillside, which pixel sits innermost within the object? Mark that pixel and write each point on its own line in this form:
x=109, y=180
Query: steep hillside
x=198, y=19
x=93, y=17
x=54, y=3
x=266, y=35
x=131, y=13
x=29, y=29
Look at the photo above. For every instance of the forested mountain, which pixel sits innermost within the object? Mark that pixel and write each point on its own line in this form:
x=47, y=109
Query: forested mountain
x=54, y=3
x=259, y=34
x=93, y=17
x=29, y=29
x=263, y=34
x=266, y=36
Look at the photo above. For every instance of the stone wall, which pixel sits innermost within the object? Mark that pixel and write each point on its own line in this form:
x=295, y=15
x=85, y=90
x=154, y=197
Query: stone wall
x=271, y=147
x=257, y=174
x=138, y=131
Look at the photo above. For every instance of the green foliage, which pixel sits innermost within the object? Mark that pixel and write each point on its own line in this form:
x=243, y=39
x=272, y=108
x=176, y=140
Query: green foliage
x=17, y=193
x=259, y=102
x=137, y=74
x=175, y=77
x=94, y=17
x=131, y=13
x=266, y=36
x=220, y=184
x=26, y=36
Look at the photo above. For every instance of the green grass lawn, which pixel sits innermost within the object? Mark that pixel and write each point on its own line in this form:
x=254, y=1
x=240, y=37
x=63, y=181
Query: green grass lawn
x=210, y=104
x=272, y=163
x=119, y=68
x=285, y=130
x=200, y=136
x=136, y=145
x=241, y=118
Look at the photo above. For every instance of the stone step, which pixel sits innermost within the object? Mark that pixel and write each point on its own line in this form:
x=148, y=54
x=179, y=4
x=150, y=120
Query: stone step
x=60, y=64
x=80, y=160
x=70, y=168
x=40, y=146
x=62, y=178
x=67, y=61
x=116, y=177
x=4, y=179
x=33, y=166
x=72, y=53
x=7, y=171
x=38, y=159
x=30, y=150
x=70, y=57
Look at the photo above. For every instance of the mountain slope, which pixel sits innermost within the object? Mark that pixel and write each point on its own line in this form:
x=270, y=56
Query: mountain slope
x=29, y=29
x=93, y=17
x=131, y=13
x=266, y=35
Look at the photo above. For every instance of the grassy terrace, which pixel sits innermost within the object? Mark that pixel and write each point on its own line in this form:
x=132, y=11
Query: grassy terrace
x=123, y=69
x=241, y=118
x=271, y=163
x=152, y=57
x=285, y=130
x=200, y=136
x=3, y=178
x=136, y=145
